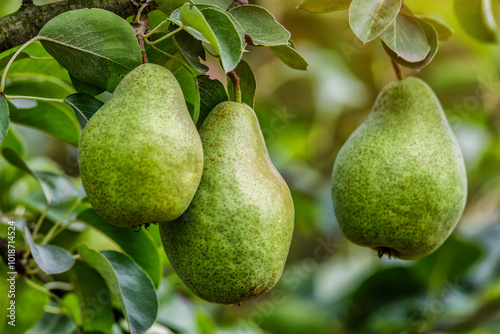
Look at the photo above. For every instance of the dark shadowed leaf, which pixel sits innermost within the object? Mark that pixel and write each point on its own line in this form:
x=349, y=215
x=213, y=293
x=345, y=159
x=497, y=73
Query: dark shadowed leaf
x=56, y=188
x=51, y=259
x=191, y=49
x=94, y=296
x=85, y=88
x=212, y=92
x=369, y=18
x=247, y=83
x=260, y=25
x=27, y=297
x=4, y=119
x=95, y=46
x=131, y=286
x=324, y=6
x=84, y=106
x=139, y=245
x=407, y=39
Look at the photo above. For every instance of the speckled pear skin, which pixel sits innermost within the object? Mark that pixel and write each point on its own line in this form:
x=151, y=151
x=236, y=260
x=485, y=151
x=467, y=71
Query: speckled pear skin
x=231, y=244
x=399, y=183
x=140, y=155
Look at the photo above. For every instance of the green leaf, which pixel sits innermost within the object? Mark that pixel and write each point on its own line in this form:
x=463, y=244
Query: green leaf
x=189, y=85
x=95, y=46
x=216, y=27
x=4, y=119
x=260, y=25
x=56, y=188
x=85, y=88
x=54, y=324
x=55, y=119
x=212, y=92
x=13, y=140
x=27, y=297
x=247, y=83
x=369, y=18
x=476, y=18
x=191, y=49
x=444, y=32
x=5, y=60
x=432, y=39
x=131, y=286
x=407, y=39
x=140, y=246
x=291, y=57
x=94, y=297
x=84, y=106
x=51, y=259
x=324, y=6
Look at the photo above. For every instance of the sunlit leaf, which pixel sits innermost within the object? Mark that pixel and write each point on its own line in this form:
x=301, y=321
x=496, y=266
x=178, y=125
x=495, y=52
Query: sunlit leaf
x=407, y=39
x=260, y=25
x=216, y=27
x=5, y=60
x=432, y=38
x=369, y=18
x=291, y=57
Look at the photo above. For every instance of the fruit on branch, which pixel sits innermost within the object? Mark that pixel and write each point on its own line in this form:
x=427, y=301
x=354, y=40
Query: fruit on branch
x=231, y=244
x=399, y=184
x=140, y=155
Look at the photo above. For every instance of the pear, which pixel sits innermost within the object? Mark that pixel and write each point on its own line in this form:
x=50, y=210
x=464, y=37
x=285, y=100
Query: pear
x=140, y=155
x=399, y=184
x=231, y=244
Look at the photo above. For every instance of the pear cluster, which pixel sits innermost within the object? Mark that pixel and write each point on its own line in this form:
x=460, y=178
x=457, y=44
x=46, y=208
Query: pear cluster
x=226, y=214
x=399, y=183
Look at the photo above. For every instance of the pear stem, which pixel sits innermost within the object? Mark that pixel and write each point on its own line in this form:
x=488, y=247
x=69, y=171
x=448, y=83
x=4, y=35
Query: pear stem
x=236, y=84
x=51, y=234
x=397, y=70
x=165, y=37
x=155, y=29
x=22, y=97
x=4, y=75
x=139, y=12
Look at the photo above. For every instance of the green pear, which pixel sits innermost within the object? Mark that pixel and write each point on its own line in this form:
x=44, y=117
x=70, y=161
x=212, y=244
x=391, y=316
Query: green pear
x=399, y=184
x=140, y=155
x=231, y=244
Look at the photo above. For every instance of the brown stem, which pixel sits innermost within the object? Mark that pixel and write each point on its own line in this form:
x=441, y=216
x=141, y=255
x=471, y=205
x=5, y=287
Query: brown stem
x=141, y=29
x=236, y=84
x=237, y=3
x=397, y=70
x=23, y=25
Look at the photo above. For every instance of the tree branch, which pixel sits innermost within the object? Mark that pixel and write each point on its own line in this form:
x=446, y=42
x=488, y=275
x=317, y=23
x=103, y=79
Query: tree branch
x=237, y=3
x=23, y=25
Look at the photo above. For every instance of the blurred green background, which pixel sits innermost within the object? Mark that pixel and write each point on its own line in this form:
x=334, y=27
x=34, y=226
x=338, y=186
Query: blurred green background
x=330, y=285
